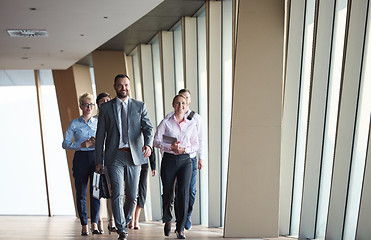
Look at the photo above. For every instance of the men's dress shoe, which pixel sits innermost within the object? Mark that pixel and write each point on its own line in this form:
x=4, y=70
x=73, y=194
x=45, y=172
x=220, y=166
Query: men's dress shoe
x=167, y=228
x=84, y=233
x=180, y=234
x=188, y=224
x=123, y=236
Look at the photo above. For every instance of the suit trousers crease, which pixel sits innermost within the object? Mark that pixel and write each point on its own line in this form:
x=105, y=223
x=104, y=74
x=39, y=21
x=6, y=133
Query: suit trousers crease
x=83, y=169
x=176, y=168
x=121, y=171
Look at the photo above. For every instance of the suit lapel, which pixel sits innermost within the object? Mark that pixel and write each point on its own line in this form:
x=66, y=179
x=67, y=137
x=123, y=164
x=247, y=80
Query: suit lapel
x=115, y=114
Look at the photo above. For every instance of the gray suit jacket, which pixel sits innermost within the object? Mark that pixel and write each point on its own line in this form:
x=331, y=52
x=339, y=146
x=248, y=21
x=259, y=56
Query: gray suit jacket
x=140, y=132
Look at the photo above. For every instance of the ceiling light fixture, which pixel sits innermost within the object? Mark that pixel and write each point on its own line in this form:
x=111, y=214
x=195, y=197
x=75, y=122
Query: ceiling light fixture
x=27, y=32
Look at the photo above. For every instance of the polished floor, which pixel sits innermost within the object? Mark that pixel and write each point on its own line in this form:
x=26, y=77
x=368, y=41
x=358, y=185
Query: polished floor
x=40, y=227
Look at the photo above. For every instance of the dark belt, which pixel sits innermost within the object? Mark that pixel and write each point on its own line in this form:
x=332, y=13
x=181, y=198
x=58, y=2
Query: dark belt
x=124, y=149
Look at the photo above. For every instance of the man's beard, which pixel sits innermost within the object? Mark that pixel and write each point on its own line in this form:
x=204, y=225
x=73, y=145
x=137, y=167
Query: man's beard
x=122, y=95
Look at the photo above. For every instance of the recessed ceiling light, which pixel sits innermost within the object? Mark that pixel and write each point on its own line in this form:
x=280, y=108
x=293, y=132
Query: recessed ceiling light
x=61, y=50
x=24, y=58
x=26, y=48
x=81, y=35
x=27, y=32
x=105, y=17
x=32, y=9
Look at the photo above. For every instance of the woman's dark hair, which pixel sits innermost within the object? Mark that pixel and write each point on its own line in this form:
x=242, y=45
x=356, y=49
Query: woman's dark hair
x=102, y=95
x=184, y=91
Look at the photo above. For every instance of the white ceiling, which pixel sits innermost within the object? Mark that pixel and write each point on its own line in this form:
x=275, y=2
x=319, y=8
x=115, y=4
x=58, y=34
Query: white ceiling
x=75, y=28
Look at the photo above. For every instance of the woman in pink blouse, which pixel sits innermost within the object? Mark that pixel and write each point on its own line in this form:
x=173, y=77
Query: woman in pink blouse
x=177, y=137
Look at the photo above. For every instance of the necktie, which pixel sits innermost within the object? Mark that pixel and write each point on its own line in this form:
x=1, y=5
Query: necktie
x=124, y=123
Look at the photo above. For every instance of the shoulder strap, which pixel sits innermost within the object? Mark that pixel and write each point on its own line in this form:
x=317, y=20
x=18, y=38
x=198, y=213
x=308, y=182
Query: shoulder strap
x=190, y=116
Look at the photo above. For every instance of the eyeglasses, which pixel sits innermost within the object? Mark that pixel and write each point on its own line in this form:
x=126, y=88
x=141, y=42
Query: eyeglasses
x=87, y=104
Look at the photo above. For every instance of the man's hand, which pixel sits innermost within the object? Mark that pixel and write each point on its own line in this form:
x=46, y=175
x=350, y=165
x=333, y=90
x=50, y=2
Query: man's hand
x=146, y=151
x=99, y=167
x=153, y=173
x=200, y=164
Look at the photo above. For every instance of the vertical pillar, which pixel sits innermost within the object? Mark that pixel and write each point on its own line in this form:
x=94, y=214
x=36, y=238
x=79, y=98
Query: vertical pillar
x=69, y=85
x=167, y=56
x=107, y=64
x=252, y=203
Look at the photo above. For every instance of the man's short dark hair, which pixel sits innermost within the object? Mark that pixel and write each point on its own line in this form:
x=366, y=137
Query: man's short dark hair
x=184, y=91
x=120, y=76
x=102, y=95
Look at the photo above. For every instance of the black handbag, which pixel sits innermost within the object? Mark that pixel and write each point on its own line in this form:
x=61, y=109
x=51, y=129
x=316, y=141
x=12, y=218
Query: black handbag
x=103, y=187
x=100, y=186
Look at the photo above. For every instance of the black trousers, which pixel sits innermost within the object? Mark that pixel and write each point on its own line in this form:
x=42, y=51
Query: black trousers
x=142, y=188
x=83, y=169
x=176, y=168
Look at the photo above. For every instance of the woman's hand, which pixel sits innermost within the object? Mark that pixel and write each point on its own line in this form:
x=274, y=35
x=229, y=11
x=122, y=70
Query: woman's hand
x=88, y=143
x=176, y=148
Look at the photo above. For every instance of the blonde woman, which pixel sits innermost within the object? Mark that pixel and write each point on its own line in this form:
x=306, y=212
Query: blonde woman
x=80, y=137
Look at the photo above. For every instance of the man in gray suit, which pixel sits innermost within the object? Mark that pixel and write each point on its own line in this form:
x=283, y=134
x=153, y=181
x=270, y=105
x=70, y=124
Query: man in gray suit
x=126, y=131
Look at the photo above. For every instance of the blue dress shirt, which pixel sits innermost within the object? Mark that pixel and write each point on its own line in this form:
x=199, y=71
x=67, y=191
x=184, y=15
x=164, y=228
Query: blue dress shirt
x=81, y=131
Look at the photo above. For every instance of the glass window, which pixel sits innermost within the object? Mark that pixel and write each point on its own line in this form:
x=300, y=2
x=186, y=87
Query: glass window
x=360, y=142
x=137, y=78
x=303, y=117
x=178, y=57
x=331, y=116
x=226, y=91
x=203, y=111
x=23, y=180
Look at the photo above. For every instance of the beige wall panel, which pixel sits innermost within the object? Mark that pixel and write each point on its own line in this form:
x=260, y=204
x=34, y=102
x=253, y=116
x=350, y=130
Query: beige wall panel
x=167, y=52
x=69, y=85
x=107, y=64
x=252, y=203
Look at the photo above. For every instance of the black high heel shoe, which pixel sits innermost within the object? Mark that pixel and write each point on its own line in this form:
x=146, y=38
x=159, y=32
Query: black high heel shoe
x=84, y=231
x=110, y=228
x=95, y=231
x=100, y=226
x=180, y=234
